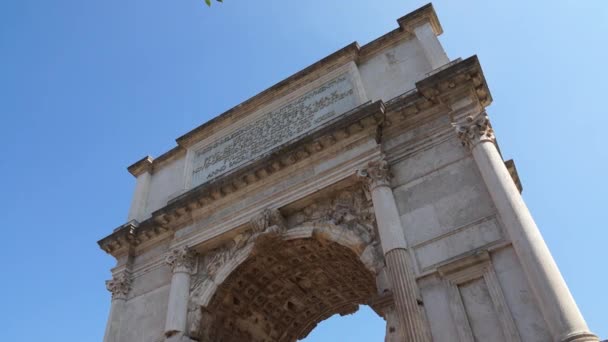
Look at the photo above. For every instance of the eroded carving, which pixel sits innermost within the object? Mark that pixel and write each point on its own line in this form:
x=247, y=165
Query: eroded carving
x=376, y=174
x=347, y=211
x=119, y=285
x=268, y=221
x=349, y=208
x=181, y=259
x=475, y=129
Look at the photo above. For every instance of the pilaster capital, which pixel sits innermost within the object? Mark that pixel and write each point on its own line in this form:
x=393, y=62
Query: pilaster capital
x=377, y=173
x=181, y=259
x=475, y=129
x=119, y=285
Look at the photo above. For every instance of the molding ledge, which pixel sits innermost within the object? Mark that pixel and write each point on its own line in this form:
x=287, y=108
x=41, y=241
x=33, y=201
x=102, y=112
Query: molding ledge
x=432, y=95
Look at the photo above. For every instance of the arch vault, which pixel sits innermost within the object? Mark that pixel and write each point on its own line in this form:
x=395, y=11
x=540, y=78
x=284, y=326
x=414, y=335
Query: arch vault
x=372, y=177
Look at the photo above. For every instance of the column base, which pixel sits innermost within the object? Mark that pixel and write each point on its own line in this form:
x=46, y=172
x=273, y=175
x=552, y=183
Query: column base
x=582, y=336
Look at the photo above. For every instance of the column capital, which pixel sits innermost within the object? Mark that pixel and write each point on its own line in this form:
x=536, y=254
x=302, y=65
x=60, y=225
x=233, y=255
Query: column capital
x=474, y=129
x=181, y=259
x=119, y=285
x=377, y=173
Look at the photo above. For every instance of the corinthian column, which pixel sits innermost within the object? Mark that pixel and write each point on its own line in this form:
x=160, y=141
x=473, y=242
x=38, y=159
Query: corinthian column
x=182, y=262
x=119, y=286
x=556, y=303
x=393, y=243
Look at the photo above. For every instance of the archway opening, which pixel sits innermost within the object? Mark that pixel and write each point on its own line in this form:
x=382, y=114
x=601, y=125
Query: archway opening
x=285, y=288
x=362, y=326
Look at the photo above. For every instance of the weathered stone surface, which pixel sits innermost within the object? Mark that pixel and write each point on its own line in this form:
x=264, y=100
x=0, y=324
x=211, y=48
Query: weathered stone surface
x=274, y=128
x=371, y=177
x=284, y=289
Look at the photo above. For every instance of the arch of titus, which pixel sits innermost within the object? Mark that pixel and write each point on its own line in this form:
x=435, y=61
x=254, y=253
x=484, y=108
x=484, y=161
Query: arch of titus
x=372, y=177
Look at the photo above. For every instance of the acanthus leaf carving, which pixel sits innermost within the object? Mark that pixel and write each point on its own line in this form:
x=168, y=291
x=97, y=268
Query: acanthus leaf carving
x=376, y=174
x=475, y=129
x=119, y=285
x=181, y=259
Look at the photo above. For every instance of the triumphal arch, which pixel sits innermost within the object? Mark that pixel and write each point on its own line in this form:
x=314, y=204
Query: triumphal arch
x=372, y=177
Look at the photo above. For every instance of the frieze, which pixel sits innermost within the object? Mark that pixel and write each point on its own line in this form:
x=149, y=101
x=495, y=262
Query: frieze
x=466, y=73
x=273, y=129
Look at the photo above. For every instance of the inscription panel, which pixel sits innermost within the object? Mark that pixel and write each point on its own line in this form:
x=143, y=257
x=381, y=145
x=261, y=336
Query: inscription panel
x=274, y=128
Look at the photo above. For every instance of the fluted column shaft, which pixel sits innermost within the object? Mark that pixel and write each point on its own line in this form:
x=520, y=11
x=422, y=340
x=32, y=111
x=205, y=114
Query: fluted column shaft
x=119, y=286
x=182, y=262
x=393, y=243
x=392, y=333
x=556, y=302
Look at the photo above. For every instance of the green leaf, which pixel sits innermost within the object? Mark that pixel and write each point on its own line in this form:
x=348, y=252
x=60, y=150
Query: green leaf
x=208, y=2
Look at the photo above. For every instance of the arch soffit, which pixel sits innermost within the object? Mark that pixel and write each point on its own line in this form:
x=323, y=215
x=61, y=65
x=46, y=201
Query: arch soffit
x=345, y=218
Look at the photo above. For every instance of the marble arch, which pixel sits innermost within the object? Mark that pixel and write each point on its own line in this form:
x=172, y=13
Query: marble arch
x=279, y=279
x=378, y=160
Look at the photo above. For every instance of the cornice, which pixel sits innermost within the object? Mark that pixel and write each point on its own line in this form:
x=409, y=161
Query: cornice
x=346, y=54
x=352, y=122
x=129, y=235
x=418, y=17
x=149, y=164
x=167, y=157
x=449, y=85
x=437, y=93
x=350, y=53
x=141, y=166
x=120, y=240
x=177, y=212
x=510, y=164
x=432, y=96
x=383, y=42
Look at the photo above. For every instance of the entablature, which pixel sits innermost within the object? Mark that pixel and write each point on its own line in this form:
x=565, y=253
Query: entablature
x=432, y=96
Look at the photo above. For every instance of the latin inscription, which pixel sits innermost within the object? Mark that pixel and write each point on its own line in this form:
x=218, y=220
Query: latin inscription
x=273, y=129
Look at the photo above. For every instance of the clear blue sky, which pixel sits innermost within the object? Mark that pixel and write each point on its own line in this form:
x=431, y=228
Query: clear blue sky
x=88, y=87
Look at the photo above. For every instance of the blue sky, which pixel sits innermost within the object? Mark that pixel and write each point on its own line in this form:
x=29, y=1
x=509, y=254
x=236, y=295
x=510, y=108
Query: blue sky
x=89, y=87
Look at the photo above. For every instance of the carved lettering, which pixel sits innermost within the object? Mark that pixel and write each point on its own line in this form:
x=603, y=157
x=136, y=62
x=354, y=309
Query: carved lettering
x=273, y=129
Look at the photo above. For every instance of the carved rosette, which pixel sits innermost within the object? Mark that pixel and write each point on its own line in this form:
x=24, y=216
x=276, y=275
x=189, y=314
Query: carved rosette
x=181, y=259
x=475, y=129
x=377, y=173
x=119, y=285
